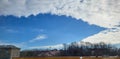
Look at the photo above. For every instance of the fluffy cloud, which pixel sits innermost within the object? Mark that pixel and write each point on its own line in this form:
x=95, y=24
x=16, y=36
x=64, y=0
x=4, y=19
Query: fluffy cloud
x=104, y=13
x=39, y=37
x=108, y=36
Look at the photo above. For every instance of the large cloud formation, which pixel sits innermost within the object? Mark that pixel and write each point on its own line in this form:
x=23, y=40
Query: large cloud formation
x=103, y=13
x=109, y=36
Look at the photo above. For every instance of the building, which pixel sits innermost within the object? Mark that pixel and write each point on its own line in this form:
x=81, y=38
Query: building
x=9, y=51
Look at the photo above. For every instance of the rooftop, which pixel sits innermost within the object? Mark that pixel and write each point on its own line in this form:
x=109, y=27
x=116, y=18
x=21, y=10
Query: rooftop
x=9, y=46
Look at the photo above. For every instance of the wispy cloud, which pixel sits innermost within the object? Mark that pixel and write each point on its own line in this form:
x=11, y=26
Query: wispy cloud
x=38, y=30
x=39, y=37
x=58, y=46
x=11, y=31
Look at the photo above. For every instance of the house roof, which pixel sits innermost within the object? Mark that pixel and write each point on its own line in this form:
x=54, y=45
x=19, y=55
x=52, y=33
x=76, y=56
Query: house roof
x=8, y=46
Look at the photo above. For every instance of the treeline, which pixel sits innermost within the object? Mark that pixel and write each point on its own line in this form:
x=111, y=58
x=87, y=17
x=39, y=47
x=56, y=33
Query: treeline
x=76, y=49
x=39, y=53
x=88, y=49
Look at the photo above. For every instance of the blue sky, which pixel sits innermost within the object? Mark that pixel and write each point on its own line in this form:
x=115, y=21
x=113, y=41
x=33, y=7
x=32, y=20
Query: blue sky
x=44, y=23
x=55, y=29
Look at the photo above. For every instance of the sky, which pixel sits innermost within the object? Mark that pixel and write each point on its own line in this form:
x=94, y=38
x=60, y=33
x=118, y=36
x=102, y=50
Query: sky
x=44, y=30
x=43, y=23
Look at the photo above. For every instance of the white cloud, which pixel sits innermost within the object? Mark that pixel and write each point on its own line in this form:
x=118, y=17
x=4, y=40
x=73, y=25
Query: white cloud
x=108, y=36
x=39, y=37
x=11, y=31
x=104, y=13
x=58, y=46
x=38, y=30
